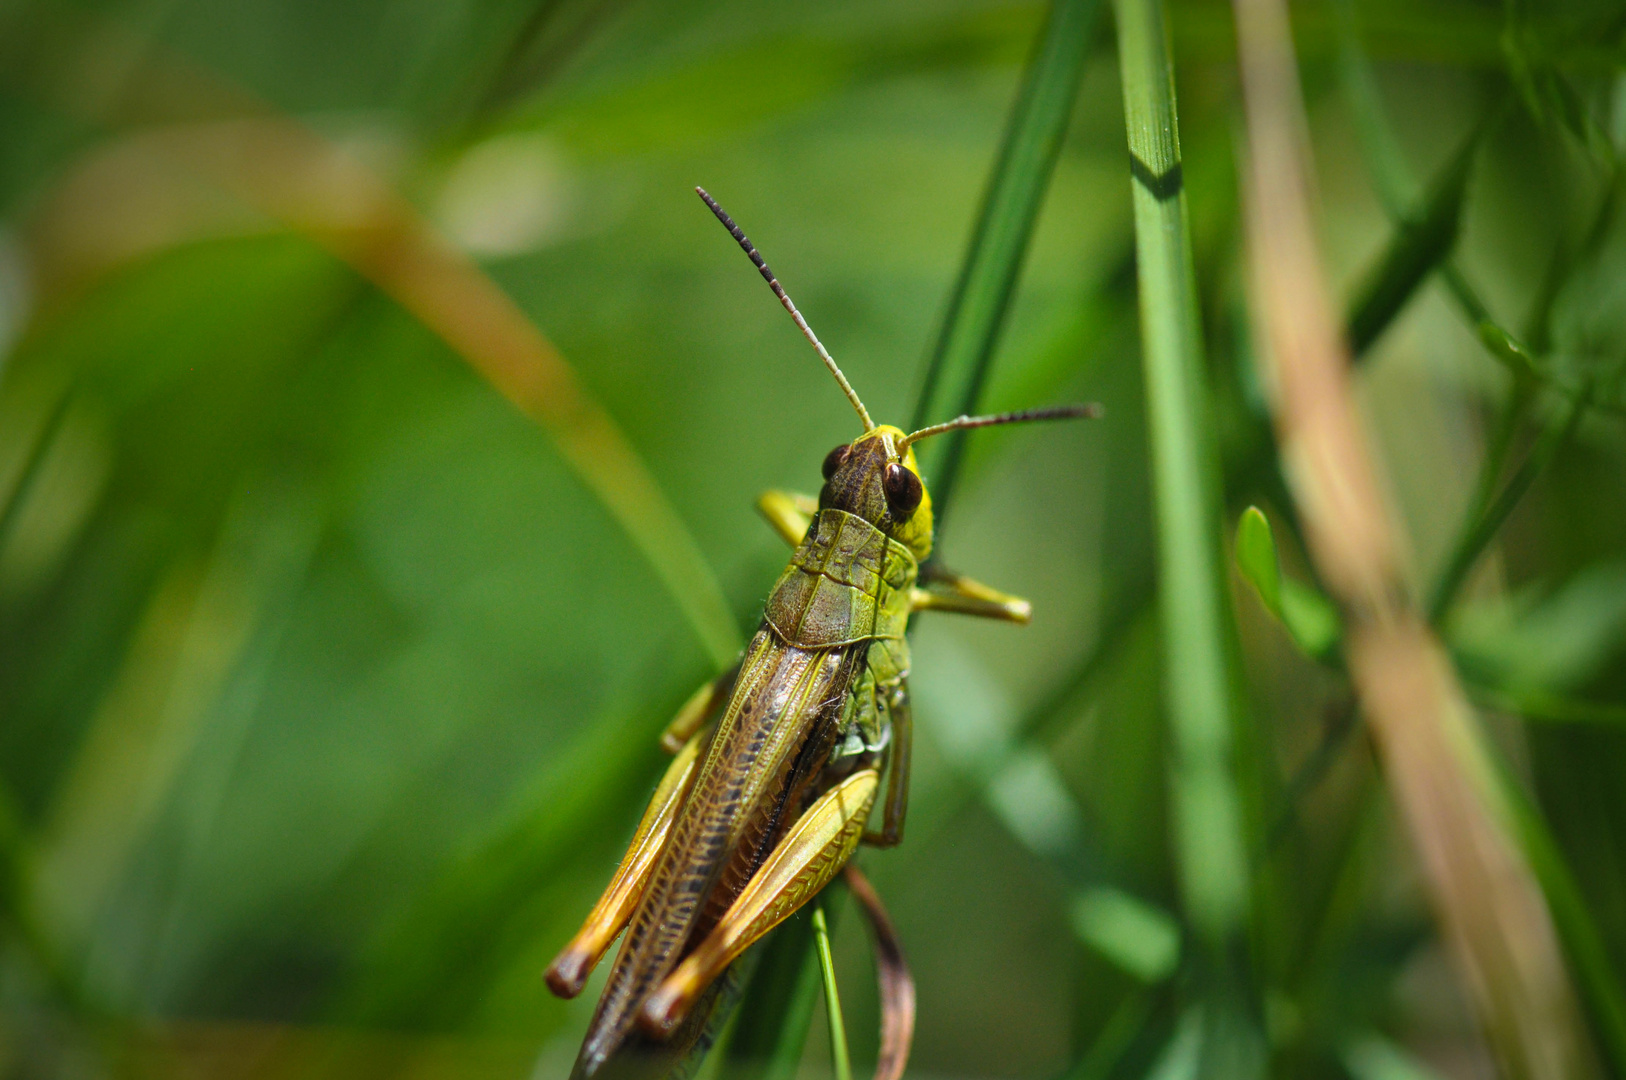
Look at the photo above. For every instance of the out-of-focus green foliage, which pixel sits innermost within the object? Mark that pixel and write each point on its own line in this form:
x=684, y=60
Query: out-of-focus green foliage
x=329, y=688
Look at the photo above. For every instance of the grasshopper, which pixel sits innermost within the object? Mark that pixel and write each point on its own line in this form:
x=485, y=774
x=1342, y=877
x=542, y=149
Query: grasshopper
x=779, y=761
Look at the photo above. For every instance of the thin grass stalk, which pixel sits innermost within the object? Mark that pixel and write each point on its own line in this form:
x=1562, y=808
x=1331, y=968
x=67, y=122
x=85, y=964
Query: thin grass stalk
x=778, y=1007
x=1484, y=524
x=987, y=280
x=289, y=172
x=1207, y=807
x=1589, y=955
x=1182, y=448
x=1485, y=896
x=29, y=473
x=840, y=1058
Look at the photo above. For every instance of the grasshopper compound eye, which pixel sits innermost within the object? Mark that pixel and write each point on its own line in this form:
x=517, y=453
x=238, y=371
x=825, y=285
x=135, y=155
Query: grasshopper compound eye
x=903, y=491
x=834, y=460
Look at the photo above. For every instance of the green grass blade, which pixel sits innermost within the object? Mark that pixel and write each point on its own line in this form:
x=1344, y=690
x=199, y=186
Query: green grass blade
x=1207, y=806
x=362, y=221
x=1602, y=995
x=28, y=474
x=436, y=957
x=779, y=1001
x=982, y=292
x=1482, y=528
x=1191, y=596
x=1417, y=247
x=840, y=1059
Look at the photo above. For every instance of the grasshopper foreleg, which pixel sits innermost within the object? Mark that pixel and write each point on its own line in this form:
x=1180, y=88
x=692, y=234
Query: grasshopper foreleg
x=789, y=513
x=944, y=590
x=568, y=972
x=812, y=853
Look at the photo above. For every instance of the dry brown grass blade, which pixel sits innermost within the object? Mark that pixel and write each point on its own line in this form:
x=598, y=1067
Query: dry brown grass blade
x=892, y=972
x=293, y=176
x=1484, y=895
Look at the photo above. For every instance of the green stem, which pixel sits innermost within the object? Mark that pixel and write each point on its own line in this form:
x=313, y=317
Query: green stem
x=1514, y=411
x=30, y=471
x=1207, y=809
x=1483, y=526
x=1209, y=831
x=982, y=292
x=839, y=1058
x=1583, y=943
x=780, y=1000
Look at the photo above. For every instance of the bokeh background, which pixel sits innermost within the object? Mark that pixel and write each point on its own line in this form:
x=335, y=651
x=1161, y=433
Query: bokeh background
x=330, y=680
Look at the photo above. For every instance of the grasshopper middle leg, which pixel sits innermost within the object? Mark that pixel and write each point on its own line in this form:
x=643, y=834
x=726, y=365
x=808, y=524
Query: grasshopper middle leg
x=944, y=590
x=789, y=513
x=896, y=805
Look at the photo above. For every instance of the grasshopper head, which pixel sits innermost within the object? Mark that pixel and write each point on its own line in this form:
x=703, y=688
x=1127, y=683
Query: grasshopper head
x=876, y=478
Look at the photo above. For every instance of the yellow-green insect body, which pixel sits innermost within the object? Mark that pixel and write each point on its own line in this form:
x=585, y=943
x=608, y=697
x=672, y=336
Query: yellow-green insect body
x=780, y=760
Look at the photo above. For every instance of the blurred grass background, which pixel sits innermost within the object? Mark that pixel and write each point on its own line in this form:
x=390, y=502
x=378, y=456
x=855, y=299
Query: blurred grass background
x=330, y=682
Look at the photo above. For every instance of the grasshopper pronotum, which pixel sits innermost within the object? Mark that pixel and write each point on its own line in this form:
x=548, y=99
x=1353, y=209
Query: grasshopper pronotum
x=779, y=760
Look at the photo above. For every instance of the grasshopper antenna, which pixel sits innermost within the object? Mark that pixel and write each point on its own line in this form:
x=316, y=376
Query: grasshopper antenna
x=779, y=290
x=960, y=423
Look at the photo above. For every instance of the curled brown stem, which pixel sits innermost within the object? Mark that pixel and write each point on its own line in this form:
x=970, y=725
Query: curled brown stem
x=892, y=972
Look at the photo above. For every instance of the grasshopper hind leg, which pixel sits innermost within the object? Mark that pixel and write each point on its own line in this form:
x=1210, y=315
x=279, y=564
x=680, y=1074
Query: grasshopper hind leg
x=815, y=849
x=569, y=970
x=684, y=736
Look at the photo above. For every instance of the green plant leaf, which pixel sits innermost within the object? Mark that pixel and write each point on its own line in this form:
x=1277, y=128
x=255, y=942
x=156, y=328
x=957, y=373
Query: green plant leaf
x=1256, y=558
x=1596, y=978
x=1207, y=806
x=1421, y=244
x=982, y=292
x=1140, y=938
x=1309, y=618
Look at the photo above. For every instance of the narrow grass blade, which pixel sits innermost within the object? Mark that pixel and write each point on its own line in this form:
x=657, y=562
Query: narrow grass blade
x=287, y=171
x=1485, y=896
x=1421, y=243
x=1480, y=530
x=1583, y=943
x=430, y=962
x=28, y=474
x=840, y=1060
x=1113, y=1043
x=779, y=1002
x=1550, y=708
x=982, y=292
x=1209, y=830
x=1207, y=807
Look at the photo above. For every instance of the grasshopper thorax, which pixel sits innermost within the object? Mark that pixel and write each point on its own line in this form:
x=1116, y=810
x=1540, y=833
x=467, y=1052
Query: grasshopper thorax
x=875, y=477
